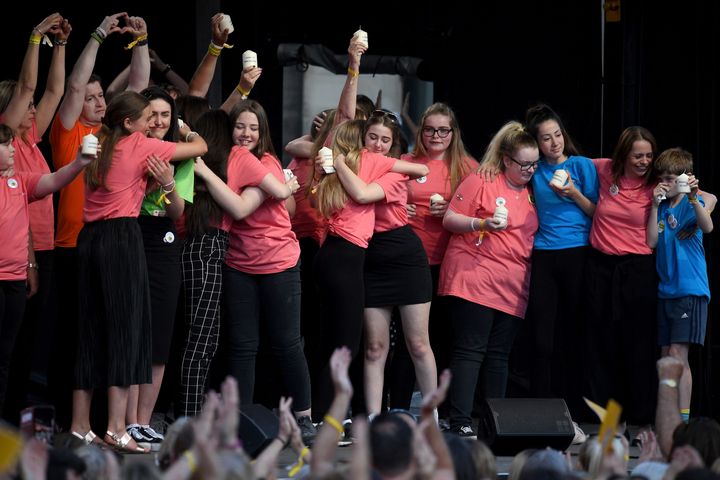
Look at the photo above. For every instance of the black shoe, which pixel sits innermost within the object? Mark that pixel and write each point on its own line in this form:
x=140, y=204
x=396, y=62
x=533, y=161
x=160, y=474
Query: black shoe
x=308, y=431
x=465, y=431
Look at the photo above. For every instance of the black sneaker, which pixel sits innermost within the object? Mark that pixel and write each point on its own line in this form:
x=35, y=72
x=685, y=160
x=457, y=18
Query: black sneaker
x=153, y=438
x=465, y=431
x=308, y=431
x=139, y=436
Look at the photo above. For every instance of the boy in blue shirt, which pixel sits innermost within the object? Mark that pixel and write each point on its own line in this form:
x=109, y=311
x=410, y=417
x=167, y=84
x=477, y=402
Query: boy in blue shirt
x=683, y=291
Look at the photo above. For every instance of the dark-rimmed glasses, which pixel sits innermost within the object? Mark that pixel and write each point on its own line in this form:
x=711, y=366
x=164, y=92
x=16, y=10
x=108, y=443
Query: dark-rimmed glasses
x=525, y=167
x=382, y=113
x=442, y=132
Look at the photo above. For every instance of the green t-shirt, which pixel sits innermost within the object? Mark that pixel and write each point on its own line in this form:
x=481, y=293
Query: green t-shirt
x=184, y=184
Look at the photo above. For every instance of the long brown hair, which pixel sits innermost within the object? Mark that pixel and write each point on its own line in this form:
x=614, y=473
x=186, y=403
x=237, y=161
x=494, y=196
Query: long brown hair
x=124, y=106
x=455, y=154
x=264, y=144
x=623, y=148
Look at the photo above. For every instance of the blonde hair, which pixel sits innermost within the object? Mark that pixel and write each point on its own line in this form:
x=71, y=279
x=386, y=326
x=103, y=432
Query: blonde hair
x=455, y=154
x=331, y=195
x=590, y=455
x=511, y=137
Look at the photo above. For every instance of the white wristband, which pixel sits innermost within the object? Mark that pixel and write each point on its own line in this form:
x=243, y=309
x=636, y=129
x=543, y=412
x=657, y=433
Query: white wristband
x=669, y=382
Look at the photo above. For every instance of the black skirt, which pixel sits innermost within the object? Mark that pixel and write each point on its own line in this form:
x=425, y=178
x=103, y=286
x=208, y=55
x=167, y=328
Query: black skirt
x=115, y=333
x=163, y=249
x=396, y=270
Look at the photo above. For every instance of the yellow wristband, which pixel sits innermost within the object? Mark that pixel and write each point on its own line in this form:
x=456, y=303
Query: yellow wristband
x=334, y=423
x=35, y=39
x=141, y=40
x=300, y=462
x=190, y=457
x=352, y=72
x=242, y=92
x=215, y=50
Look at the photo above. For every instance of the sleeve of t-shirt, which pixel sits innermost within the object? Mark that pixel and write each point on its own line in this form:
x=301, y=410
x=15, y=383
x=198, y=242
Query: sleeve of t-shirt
x=465, y=201
x=30, y=181
x=161, y=148
x=244, y=169
x=374, y=165
x=393, y=184
x=589, y=179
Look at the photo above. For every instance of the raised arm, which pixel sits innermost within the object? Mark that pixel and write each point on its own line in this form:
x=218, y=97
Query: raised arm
x=56, y=80
x=704, y=221
x=354, y=186
x=166, y=70
x=444, y=467
x=72, y=103
x=249, y=76
x=300, y=147
x=667, y=416
x=348, y=96
x=27, y=82
x=139, y=75
x=202, y=78
x=651, y=232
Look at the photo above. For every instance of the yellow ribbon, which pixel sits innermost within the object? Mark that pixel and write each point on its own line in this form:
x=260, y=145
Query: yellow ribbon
x=300, y=462
x=134, y=42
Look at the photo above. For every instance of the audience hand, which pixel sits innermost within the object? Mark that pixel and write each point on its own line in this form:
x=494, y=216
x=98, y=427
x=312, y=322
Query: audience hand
x=339, y=364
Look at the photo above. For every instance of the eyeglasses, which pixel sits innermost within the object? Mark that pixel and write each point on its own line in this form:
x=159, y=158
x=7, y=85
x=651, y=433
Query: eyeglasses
x=382, y=113
x=524, y=167
x=442, y=132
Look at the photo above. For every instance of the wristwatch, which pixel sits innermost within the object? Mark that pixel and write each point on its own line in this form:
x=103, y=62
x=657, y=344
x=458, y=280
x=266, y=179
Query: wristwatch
x=33, y=265
x=669, y=382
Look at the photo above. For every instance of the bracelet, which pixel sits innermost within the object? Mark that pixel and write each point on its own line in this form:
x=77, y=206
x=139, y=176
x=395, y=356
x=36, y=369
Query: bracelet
x=284, y=442
x=139, y=41
x=35, y=38
x=168, y=186
x=242, y=92
x=214, y=50
x=190, y=457
x=472, y=225
x=190, y=135
x=334, y=423
x=300, y=462
x=693, y=200
x=96, y=36
x=352, y=72
x=167, y=69
x=101, y=31
x=60, y=43
x=33, y=265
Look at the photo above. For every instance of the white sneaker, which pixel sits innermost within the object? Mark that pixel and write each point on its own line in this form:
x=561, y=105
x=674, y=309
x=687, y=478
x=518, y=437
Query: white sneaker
x=580, y=436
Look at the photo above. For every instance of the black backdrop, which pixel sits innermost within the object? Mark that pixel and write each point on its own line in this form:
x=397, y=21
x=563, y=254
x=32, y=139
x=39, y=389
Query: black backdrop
x=490, y=61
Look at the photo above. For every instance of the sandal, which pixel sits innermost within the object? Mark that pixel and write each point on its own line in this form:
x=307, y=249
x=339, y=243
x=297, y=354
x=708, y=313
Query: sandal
x=89, y=438
x=121, y=443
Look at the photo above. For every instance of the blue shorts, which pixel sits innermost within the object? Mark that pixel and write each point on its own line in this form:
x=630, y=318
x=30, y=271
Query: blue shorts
x=682, y=320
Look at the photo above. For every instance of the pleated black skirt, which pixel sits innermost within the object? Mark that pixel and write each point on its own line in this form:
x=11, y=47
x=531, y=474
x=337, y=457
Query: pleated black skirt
x=163, y=249
x=115, y=332
x=396, y=269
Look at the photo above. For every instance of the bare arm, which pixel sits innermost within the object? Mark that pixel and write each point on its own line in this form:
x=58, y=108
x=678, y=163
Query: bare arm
x=354, y=186
x=702, y=216
x=570, y=191
x=27, y=82
x=249, y=76
x=444, y=466
x=72, y=103
x=266, y=462
x=459, y=223
x=33, y=277
x=290, y=206
x=139, y=75
x=412, y=170
x=300, y=147
x=56, y=81
x=163, y=175
x=667, y=416
x=201, y=79
x=348, y=96
x=170, y=75
x=119, y=83
x=52, y=182
x=405, y=114
x=194, y=147
x=651, y=234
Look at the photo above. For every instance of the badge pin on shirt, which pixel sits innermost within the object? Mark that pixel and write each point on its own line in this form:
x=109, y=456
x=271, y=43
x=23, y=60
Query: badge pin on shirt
x=422, y=179
x=169, y=237
x=12, y=183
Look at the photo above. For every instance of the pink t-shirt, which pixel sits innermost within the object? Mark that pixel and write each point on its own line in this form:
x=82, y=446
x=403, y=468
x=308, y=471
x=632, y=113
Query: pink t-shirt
x=307, y=221
x=29, y=158
x=391, y=213
x=14, y=223
x=264, y=242
x=126, y=179
x=354, y=222
x=243, y=170
x=495, y=273
x=430, y=230
x=620, y=221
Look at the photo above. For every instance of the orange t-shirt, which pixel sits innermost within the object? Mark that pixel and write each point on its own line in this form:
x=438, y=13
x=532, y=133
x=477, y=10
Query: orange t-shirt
x=29, y=158
x=392, y=213
x=355, y=222
x=126, y=179
x=64, y=144
x=495, y=273
x=619, y=225
x=14, y=223
x=307, y=221
x=429, y=228
x=264, y=242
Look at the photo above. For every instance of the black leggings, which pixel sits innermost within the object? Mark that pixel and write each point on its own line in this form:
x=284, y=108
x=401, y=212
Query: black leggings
x=12, y=306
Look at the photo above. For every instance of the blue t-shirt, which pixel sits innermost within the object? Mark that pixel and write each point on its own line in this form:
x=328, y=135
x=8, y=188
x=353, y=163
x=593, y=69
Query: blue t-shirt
x=562, y=223
x=680, y=263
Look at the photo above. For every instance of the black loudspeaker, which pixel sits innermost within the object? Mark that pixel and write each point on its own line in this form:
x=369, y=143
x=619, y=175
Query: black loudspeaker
x=258, y=427
x=509, y=425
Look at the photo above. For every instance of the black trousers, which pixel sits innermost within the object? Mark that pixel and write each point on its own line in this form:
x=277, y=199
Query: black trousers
x=12, y=306
x=622, y=333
